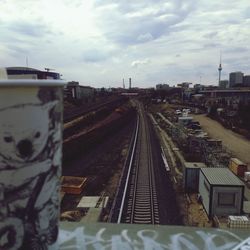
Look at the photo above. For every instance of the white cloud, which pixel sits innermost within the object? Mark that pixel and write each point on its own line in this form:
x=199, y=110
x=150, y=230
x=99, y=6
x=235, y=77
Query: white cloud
x=101, y=42
x=140, y=62
x=145, y=37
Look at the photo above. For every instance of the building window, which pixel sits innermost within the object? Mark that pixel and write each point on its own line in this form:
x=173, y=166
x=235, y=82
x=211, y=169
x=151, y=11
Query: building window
x=226, y=199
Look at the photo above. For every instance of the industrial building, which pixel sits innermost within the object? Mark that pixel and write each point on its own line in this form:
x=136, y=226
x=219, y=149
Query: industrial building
x=161, y=86
x=74, y=91
x=184, y=85
x=222, y=193
x=226, y=97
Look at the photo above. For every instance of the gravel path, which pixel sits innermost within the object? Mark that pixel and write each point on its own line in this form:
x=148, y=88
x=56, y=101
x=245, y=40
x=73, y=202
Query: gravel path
x=237, y=144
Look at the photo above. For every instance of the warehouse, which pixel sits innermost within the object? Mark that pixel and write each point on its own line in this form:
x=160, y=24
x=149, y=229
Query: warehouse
x=222, y=193
x=75, y=91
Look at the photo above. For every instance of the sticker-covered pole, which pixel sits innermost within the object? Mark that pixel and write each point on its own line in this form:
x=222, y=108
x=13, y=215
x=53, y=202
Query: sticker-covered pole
x=30, y=163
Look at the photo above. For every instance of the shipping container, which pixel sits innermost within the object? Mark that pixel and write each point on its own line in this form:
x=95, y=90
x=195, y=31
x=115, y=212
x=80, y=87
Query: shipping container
x=191, y=176
x=237, y=167
x=221, y=191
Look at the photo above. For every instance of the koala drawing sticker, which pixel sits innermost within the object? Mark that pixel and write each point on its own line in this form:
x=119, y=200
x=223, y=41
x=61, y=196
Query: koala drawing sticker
x=30, y=168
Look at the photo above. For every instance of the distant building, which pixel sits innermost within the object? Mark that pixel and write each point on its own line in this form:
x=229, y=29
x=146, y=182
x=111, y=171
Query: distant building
x=227, y=96
x=187, y=93
x=199, y=87
x=246, y=81
x=30, y=73
x=184, y=85
x=74, y=91
x=162, y=86
x=235, y=78
x=224, y=84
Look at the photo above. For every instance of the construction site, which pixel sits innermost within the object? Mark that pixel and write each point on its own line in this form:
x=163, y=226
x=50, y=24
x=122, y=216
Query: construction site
x=189, y=148
x=194, y=155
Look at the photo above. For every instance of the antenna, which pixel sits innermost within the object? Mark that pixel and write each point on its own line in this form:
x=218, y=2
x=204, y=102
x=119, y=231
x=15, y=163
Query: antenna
x=27, y=62
x=220, y=69
x=48, y=69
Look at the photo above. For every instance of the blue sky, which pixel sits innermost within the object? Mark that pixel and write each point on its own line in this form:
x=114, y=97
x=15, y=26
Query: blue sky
x=100, y=42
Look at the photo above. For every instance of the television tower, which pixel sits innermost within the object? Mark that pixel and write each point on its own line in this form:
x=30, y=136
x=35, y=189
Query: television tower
x=220, y=69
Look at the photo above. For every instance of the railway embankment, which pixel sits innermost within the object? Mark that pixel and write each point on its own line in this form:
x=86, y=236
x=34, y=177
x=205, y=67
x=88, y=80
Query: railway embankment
x=84, y=134
x=96, y=148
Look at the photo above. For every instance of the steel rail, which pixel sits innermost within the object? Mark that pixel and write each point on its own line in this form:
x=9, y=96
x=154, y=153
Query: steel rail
x=151, y=178
x=129, y=170
x=154, y=204
x=113, y=215
x=151, y=182
x=142, y=198
x=135, y=180
x=141, y=195
x=144, y=203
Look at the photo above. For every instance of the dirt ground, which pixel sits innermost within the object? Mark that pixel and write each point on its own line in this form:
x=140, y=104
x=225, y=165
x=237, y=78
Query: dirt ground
x=196, y=213
x=102, y=165
x=237, y=144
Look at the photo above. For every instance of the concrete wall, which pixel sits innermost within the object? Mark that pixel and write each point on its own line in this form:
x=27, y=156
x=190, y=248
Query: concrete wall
x=25, y=76
x=82, y=92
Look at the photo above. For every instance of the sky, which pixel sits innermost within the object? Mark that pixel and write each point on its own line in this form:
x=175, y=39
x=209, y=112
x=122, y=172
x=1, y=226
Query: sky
x=101, y=42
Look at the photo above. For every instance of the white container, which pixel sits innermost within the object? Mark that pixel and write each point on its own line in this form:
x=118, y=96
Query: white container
x=30, y=162
x=238, y=222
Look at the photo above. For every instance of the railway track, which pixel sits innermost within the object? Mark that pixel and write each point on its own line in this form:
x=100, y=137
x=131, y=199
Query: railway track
x=140, y=196
x=71, y=114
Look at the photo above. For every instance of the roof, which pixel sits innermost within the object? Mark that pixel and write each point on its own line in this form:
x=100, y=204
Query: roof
x=237, y=161
x=93, y=201
x=221, y=176
x=246, y=90
x=185, y=118
x=21, y=68
x=195, y=165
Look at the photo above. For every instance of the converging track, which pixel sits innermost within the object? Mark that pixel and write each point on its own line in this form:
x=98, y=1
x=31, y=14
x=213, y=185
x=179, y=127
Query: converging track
x=140, y=194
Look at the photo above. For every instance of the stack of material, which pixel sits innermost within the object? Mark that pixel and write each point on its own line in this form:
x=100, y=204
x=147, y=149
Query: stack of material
x=237, y=167
x=238, y=222
x=72, y=184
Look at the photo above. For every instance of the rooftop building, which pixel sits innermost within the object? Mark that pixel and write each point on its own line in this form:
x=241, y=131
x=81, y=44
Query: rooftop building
x=30, y=73
x=246, y=80
x=235, y=78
